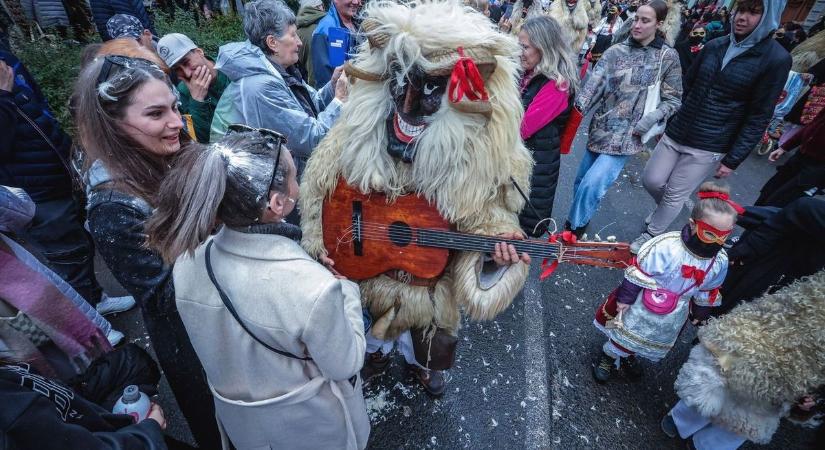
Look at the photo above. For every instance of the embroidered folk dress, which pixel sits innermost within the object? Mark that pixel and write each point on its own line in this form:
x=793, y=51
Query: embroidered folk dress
x=666, y=262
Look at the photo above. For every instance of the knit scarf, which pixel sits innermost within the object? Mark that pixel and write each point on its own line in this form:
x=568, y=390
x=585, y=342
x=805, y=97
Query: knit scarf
x=55, y=314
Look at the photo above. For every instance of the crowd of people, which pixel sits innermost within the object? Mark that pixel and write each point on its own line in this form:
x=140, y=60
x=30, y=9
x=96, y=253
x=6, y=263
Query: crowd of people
x=199, y=181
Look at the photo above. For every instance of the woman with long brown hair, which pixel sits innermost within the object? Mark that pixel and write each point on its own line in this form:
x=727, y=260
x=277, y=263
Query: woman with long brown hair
x=130, y=129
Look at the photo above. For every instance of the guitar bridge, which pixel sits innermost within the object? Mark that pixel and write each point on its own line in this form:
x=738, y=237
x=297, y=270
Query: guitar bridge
x=357, y=241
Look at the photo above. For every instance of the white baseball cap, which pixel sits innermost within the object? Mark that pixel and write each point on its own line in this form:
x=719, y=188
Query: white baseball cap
x=173, y=47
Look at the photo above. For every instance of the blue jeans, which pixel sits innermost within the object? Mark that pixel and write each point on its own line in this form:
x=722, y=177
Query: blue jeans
x=596, y=173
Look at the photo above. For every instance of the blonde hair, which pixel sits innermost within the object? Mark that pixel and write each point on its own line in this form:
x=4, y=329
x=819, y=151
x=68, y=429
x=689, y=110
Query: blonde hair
x=557, y=62
x=707, y=205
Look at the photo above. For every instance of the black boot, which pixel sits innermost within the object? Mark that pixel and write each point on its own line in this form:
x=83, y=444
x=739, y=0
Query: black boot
x=632, y=367
x=374, y=364
x=432, y=380
x=578, y=232
x=604, y=369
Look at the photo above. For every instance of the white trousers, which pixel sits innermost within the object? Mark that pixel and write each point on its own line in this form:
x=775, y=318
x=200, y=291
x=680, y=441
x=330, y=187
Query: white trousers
x=405, y=346
x=706, y=436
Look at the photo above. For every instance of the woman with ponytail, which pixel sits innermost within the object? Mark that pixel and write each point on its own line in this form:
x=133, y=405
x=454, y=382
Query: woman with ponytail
x=281, y=338
x=130, y=129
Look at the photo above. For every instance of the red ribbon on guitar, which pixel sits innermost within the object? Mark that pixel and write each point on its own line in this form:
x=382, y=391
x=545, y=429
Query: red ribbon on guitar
x=466, y=80
x=547, y=268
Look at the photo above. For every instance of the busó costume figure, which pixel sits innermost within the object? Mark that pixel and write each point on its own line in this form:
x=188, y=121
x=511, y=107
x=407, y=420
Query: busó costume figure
x=434, y=111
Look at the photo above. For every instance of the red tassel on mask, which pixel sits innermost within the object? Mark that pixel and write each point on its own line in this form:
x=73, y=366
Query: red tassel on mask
x=466, y=80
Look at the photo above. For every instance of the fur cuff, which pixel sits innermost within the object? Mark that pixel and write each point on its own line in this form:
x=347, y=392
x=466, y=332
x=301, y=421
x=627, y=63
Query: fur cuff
x=481, y=304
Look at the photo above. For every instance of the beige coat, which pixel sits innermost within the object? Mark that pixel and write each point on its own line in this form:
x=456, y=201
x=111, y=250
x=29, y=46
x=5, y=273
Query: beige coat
x=265, y=400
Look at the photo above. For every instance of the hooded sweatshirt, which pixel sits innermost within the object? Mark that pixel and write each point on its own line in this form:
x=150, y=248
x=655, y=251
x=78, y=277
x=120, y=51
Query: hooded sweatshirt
x=307, y=21
x=260, y=97
x=770, y=21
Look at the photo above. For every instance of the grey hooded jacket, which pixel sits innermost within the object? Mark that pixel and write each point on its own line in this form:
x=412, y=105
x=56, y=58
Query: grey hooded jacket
x=259, y=97
x=770, y=21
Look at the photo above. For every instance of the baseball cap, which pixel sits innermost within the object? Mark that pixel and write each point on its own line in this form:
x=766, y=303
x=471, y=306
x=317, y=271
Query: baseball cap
x=124, y=26
x=173, y=47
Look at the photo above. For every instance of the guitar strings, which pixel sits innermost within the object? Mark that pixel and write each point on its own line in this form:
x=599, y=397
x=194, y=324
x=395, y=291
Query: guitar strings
x=531, y=246
x=567, y=255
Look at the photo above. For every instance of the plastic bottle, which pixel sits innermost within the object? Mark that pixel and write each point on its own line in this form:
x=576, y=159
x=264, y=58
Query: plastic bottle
x=134, y=403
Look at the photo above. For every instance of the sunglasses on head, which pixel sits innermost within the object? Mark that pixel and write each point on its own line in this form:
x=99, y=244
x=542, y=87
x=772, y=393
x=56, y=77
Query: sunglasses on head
x=711, y=235
x=125, y=62
x=274, y=140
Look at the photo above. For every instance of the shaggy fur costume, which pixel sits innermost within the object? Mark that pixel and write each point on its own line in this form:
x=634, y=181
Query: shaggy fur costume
x=463, y=161
x=535, y=10
x=755, y=362
x=808, y=53
x=575, y=22
x=594, y=12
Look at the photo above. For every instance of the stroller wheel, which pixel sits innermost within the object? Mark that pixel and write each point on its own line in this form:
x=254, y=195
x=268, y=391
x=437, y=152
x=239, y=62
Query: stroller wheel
x=765, y=147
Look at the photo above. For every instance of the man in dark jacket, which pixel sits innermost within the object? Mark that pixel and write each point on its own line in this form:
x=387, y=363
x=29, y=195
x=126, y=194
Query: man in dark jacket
x=784, y=247
x=34, y=156
x=729, y=96
x=102, y=10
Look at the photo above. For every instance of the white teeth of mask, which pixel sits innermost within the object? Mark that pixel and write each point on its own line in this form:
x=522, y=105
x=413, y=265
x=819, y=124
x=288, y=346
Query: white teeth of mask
x=409, y=130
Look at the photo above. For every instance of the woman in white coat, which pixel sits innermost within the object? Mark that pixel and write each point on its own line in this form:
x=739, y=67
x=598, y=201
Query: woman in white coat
x=283, y=368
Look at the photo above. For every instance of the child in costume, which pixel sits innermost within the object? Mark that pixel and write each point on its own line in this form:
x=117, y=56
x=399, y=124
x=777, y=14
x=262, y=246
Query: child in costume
x=676, y=277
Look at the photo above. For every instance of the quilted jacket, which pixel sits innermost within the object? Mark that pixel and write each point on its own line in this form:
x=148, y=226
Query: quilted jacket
x=727, y=110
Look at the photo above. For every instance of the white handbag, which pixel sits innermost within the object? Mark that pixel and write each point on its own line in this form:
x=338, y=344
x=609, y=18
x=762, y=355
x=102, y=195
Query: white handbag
x=652, y=102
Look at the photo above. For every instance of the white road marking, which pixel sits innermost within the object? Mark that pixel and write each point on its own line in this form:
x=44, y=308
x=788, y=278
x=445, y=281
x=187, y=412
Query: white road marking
x=535, y=366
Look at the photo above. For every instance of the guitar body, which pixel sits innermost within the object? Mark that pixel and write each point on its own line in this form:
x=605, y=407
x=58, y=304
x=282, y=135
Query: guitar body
x=388, y=234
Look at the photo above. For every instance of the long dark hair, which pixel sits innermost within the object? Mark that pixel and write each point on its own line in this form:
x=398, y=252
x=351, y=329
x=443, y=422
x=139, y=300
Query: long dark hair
x=228, y=180
x=101, y=105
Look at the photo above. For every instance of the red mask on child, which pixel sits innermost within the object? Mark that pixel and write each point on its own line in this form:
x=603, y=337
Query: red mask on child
x=711, y=235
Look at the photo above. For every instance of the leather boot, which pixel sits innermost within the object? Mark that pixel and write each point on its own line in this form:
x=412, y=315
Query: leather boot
x=374, y=364
x=432, y=380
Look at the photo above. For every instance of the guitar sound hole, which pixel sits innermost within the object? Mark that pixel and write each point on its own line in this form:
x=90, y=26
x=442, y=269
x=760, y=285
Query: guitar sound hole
x=400, y=234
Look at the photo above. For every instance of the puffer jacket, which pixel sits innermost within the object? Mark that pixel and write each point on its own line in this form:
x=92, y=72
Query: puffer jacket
x=26, y=159
x=544, y=146
x=727, y=110
x=47, y=13
x=102, y=10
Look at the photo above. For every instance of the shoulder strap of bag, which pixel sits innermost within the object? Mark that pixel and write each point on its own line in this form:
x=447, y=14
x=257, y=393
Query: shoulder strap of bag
x=661, y=61
x=45, y=138
x=231, y=308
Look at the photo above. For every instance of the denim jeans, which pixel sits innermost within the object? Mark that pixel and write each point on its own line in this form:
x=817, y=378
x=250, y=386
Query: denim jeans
x=597, y=172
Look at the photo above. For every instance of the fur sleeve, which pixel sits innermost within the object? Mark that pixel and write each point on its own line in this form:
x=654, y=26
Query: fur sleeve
x=317, y=182
x=478, y=302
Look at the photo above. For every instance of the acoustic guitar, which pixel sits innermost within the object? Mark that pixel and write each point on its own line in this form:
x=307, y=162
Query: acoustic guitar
x=366, y=236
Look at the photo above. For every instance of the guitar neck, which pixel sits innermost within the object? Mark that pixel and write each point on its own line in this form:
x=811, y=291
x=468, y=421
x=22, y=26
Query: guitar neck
x=485, y=244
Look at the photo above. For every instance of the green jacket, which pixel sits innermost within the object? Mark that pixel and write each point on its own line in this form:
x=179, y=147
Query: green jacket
x=308, y=18
x=202, y=112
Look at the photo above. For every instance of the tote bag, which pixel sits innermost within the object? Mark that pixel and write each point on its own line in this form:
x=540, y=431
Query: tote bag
x=652, y=102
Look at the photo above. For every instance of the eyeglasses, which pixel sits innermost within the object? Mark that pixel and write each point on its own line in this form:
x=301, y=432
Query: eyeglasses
x=272, y=137
x=125, y=62
x=710, y=235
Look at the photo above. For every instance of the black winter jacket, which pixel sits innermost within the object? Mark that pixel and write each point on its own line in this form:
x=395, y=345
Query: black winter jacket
x=26, y=159
x=544, y=146
x=727, y=111
x=102, y=10
x=40, y=413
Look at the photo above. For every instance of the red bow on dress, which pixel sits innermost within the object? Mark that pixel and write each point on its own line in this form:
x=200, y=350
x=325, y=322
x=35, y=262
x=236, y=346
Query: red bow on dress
x=697, y=274
x=466, y=80
x=725, y=198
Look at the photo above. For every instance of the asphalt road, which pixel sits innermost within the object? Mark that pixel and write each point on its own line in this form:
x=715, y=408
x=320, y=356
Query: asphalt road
x=523, y=380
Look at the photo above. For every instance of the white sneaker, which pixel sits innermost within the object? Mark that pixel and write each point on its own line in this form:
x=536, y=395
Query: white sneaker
x=115, y=337
x=637, y=244
x=111, y=305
